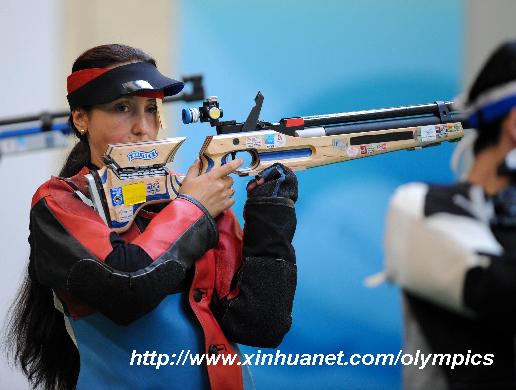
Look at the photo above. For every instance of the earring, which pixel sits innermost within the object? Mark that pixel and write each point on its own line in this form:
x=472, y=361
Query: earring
x=82, y=131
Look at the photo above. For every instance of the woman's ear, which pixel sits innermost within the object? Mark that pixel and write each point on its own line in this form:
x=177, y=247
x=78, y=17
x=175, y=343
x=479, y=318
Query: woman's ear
x=80, y=120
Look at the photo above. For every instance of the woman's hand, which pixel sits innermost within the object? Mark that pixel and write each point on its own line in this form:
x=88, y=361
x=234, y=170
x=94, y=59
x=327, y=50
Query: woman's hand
x=277, y=181
x=214, y=190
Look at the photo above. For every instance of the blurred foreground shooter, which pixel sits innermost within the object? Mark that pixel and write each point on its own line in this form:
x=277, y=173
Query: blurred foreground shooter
x=453, y=250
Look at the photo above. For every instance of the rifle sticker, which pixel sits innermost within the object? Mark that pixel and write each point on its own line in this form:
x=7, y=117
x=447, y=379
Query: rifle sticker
x=428, y=133
x=373, y=148
x=254, y=141
x=448, y=128
x=124, y=214
x=381, y=147
x=279, y=139
x=339, y=144
x=367, y=149
x=269, y=141
x=153, y=188
x=352, y=151
x=117, y=197
x=134, y=193
x=454, y=127
x=141, y=155
x=275, y=140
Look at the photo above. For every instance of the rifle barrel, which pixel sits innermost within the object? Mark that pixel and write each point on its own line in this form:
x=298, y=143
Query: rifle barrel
x=388, y=124
x=382, y=113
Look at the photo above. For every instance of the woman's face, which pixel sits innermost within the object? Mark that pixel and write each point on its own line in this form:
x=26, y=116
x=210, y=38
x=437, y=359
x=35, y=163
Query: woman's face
x=128, y=119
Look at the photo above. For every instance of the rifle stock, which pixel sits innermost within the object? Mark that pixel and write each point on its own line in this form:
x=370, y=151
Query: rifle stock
x=298, y=153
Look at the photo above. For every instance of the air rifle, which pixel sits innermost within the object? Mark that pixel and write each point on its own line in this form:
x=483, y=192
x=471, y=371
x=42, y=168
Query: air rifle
x=136, y=174
x=312, y=141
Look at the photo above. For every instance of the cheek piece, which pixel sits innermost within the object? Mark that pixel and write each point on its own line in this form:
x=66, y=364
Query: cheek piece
x=94, y=86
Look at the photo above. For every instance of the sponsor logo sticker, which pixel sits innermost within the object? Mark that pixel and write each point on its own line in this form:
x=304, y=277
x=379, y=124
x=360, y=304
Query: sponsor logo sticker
x=275, y=140
x=124, y=214
x=153, y=188
x=280, y=139
x=255, y=141
x=373, y=148
x=352, y=151
x=141, y=155
x=428, y=133
x=382, y=146
x=117, y=197
x=339, y=144
x=269, y=141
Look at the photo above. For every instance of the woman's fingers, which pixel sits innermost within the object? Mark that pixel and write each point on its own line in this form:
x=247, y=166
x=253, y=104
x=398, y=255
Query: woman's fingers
x=255, y=183
x=215, y=189
x=228, y=181
x=225, y=169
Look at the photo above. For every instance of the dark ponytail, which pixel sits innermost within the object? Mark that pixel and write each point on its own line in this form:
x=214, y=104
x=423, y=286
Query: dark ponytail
x=37, y=340
x=79, y=156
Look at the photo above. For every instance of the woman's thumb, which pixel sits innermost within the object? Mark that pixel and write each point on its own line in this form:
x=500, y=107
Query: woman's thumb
x=193, y=171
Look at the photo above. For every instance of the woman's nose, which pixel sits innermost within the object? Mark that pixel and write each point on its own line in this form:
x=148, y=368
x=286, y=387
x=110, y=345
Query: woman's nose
x=142, y=126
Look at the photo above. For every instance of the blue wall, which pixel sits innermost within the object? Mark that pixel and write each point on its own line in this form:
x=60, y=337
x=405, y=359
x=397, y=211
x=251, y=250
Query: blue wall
x=313, y=58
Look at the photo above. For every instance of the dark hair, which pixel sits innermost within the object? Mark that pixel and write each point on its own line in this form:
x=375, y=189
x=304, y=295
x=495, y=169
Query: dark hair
x=37, y=339
x=499, y=69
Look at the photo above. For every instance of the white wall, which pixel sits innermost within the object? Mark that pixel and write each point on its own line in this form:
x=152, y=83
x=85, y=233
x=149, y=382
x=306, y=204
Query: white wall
x=28, y=74
x=39, y=41
x=489, y=22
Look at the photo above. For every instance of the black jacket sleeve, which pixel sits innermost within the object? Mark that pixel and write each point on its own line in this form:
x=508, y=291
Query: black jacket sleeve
x=261, y=313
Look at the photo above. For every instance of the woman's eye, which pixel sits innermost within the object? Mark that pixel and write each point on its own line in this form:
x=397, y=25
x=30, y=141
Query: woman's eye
x=152, y=109
x=122, y=107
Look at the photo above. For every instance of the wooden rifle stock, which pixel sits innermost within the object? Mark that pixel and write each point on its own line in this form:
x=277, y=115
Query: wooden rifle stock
x=298, y=153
